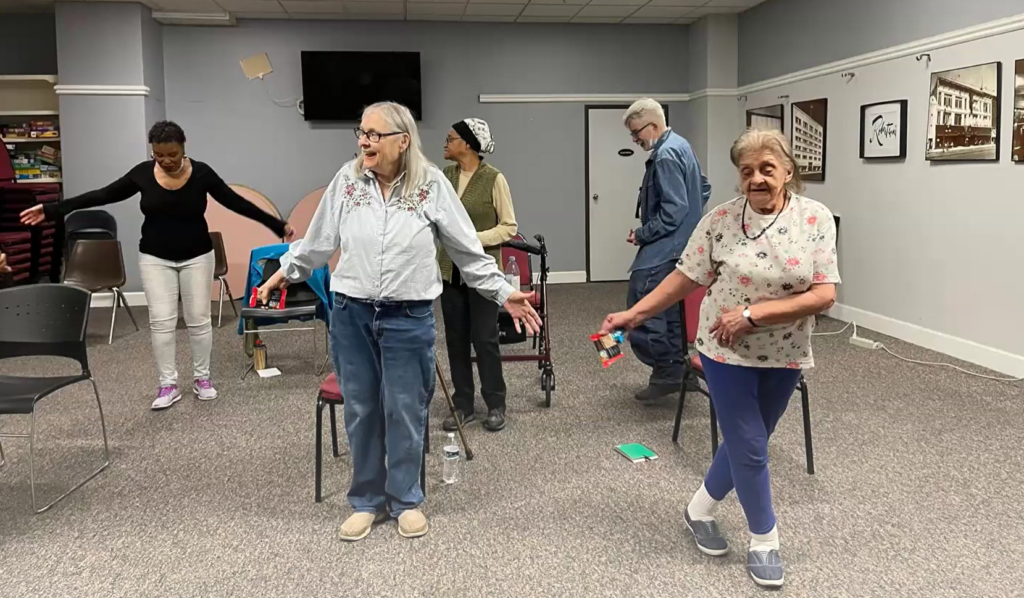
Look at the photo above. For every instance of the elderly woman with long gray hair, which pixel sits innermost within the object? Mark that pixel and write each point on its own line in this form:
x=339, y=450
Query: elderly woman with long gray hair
x=387, y=211
x=768, y=260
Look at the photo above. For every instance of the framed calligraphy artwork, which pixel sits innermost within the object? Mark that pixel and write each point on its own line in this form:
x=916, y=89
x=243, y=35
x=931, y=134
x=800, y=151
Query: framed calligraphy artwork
x=883, y=130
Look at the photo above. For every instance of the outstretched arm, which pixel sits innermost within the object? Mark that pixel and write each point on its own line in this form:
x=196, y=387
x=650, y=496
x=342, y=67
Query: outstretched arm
x=227, y=197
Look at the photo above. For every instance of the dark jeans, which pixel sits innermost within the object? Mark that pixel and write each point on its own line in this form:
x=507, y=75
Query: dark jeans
x=749, y=403
x=384, y=356
x=657, y=342
x=471, y=319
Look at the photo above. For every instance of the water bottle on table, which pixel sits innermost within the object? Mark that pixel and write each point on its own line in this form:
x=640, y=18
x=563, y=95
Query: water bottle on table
x=451, y=460
x=512, y=273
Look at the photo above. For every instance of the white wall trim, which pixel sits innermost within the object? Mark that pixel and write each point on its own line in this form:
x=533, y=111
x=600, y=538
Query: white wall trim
x=952, y=38
x=970, y=351
x=594, y=98
x=101, y=90
x=712, y=93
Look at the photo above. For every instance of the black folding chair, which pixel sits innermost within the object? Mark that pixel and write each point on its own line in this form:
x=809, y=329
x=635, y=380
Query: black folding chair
x=44, y=320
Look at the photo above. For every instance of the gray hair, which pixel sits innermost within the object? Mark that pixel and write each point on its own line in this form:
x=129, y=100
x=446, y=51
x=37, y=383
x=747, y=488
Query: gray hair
x=754, y=141
x=642, y=108
x=414, y=163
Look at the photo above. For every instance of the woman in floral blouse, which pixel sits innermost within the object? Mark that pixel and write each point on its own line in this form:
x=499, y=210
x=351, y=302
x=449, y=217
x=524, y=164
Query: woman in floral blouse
x=768, y=260
x=387, y=210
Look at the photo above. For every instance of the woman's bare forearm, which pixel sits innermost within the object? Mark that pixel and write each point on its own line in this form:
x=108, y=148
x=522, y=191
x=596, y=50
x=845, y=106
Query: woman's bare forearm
x=672, y=290
x=815, y=300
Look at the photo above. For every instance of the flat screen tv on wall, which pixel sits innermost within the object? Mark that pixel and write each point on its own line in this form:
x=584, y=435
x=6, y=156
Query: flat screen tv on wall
x=336, y=86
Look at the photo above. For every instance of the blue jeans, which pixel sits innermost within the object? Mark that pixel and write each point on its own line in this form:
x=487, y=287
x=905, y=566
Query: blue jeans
x=384, y=357
x=749, y=403
x=657, y=343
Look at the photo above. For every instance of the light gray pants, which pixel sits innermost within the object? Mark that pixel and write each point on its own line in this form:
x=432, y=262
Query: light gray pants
x=163, y=281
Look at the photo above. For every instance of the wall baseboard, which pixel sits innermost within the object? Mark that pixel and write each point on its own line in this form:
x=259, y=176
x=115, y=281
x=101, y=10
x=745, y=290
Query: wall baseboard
x=138, y=298
x=970, y=351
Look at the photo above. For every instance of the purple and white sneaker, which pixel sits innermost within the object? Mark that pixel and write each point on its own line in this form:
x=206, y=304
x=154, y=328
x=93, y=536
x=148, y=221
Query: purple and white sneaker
x=167, y=396
x=203, y=389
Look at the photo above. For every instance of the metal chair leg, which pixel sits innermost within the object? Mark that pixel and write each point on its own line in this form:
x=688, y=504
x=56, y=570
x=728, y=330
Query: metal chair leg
x=220, y=302
x=334, y=431
x=231, y=300
x=32, y=450
x=113, y=316
x=806, y=404
x=714, y=428
x=3, y=460
x=127, y=308
x=319, y=447
x=679, y=412
x=327, y=349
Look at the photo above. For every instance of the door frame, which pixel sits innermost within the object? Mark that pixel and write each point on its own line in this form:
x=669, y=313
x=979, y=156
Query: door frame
x=586, y=162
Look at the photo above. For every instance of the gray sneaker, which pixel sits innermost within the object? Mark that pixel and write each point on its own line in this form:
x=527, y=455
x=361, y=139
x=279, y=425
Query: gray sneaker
x=707, y=536
x=765, y=568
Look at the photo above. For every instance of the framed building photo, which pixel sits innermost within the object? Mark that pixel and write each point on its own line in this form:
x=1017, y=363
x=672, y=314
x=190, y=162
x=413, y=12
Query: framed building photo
x=963, y=114
x=883, y=130
x=809, y=134
x=769, y=117
x=1018, y=112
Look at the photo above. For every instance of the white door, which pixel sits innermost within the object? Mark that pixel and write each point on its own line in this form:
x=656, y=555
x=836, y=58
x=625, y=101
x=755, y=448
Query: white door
x=616, y=171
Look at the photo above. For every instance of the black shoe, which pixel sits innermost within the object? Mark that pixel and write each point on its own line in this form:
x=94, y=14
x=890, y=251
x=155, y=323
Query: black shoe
x=449, y=422
x=656, y=392
x=495, y=419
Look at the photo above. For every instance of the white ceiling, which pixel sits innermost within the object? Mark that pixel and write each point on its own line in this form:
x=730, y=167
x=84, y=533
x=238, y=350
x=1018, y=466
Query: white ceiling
x=679, y=12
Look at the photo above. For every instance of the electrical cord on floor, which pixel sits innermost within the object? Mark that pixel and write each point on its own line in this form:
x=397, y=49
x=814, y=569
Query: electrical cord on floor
x=917, y=361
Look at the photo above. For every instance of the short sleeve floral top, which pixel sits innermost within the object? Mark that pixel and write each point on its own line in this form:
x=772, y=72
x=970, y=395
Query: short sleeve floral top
x=797, y=251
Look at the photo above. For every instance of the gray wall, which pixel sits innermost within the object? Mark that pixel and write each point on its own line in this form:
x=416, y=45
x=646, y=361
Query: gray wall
x=21, y=31
x=87, y=31
x=232, y=124
x=783, y=36
x=153, y=68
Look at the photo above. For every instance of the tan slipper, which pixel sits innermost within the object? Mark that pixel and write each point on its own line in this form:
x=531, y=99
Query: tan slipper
x=358, y=526
x=412, y=524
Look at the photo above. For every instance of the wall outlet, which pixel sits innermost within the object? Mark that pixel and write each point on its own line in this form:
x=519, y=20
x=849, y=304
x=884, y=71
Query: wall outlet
x=864, y=343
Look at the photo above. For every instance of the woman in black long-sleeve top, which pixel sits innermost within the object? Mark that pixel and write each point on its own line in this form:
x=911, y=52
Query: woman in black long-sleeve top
x=175, y=251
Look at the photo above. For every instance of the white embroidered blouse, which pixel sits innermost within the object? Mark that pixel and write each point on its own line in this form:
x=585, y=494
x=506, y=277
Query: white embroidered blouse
x=389, y=247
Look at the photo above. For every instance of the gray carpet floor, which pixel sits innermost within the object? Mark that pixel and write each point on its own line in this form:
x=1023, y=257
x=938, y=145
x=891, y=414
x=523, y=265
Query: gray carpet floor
x=917, y=492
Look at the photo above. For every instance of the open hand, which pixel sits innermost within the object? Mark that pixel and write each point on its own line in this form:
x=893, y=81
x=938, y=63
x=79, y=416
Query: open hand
x=33, y=216
x=277, y=281
x=730, y=326
x=623, y=320
x=518, y=306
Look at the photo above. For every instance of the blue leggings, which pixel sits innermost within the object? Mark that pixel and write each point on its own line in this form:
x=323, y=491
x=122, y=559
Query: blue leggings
x=749, y=402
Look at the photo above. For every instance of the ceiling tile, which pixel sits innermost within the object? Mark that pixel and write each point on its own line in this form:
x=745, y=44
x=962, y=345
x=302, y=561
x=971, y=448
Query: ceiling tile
x=550, y=10
x=684, y=21
x=251, y=6
x=560, y=2
x=317, y=16
x=494, y=10
x=522, y=2
x=196, y=6
x=528, y=19
x=717, y=10
x=737, y=3
x=373, y=17
x=596, y=20
x=647, y=21
x=606, y=11
x=689, y=3
x=262, y=15
x=434, y=8
x=633, y=3
x=413, y=17
x=487, y=19
x=313, y=7
x=375, y=8
x=663, y=12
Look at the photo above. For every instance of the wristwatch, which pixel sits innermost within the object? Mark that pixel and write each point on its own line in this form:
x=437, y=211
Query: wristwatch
x=746, y=314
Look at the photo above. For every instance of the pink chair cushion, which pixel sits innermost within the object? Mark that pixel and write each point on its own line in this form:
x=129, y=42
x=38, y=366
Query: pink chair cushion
x=329, y=389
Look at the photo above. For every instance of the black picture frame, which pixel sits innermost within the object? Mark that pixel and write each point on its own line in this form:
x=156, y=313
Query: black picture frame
x=965, y=135
x=766, y=111
x=902, y=133
x=1017, y=125
x=816, y=111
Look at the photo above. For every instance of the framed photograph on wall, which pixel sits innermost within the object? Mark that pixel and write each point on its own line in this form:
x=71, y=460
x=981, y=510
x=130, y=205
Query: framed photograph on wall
x=963, y=114
x=1018, y=111
x=883, y=130
x=809, y=128
x=769, y=117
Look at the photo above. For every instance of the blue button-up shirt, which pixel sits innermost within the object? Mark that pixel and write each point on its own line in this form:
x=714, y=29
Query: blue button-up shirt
x=671, y=202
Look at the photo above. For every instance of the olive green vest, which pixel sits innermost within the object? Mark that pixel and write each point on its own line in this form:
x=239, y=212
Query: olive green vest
x=478, y=198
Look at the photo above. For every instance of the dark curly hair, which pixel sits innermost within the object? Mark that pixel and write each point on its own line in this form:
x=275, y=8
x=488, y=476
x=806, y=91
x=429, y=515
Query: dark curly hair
x=166, y=131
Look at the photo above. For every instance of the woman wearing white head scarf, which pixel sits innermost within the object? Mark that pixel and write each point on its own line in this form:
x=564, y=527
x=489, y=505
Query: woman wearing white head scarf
x=469, y=319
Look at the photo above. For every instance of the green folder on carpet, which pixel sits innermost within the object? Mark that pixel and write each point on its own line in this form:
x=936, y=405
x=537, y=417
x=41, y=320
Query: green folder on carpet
x=636, y=452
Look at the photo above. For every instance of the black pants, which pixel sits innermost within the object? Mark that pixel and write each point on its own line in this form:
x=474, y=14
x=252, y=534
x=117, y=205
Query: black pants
x=471, y=319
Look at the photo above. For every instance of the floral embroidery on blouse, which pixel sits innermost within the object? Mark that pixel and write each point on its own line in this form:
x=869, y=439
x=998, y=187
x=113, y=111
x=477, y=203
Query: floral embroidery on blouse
x=415, y=201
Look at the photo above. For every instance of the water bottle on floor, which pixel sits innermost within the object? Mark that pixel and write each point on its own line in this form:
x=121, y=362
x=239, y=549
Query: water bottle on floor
x=512, y=273
x=451, y=460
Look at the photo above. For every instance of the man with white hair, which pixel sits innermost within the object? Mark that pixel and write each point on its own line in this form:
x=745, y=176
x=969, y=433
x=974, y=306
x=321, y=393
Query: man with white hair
x=671, y=203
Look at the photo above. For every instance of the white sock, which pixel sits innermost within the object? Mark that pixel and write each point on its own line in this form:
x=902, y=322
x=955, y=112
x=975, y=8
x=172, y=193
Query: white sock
x=765, y=542
x=702, y=507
